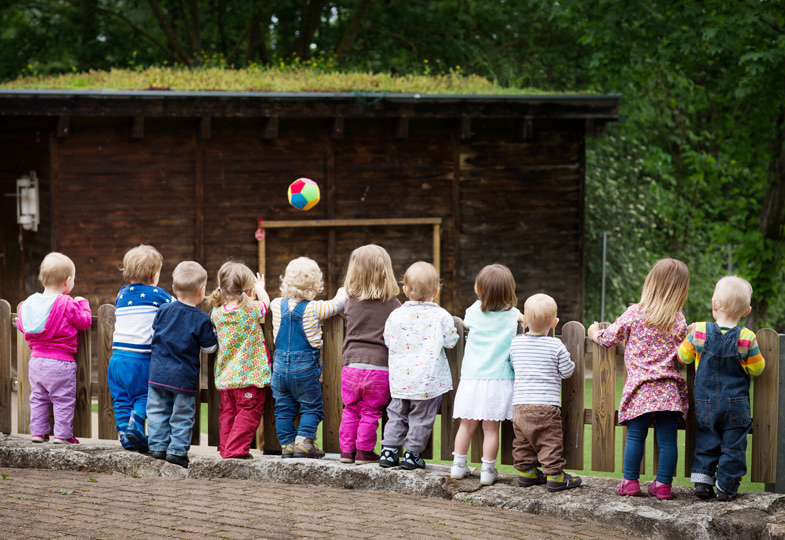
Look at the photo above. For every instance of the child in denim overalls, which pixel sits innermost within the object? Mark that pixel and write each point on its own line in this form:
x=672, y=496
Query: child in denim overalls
x=725, y=357
x=296, y=370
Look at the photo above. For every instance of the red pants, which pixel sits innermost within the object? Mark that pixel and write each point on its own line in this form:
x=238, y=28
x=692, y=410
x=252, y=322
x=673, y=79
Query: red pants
x=241, y=412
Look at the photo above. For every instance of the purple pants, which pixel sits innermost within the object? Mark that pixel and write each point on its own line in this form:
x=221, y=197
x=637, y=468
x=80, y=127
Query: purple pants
x=365, y=392
x=52, y=382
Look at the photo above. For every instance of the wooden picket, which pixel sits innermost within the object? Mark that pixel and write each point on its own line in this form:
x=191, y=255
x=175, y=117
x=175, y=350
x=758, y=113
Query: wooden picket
x=602, y=416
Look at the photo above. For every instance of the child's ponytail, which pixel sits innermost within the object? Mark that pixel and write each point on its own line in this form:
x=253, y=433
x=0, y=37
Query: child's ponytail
x=216, y=299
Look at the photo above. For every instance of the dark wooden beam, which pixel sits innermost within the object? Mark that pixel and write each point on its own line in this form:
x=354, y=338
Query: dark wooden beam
x=595, y=128
x=465, y=130
x=271, y=128
x=205, y=128
x=337, y=131
x=137, y=127
x=402, y=127
x=63, y=126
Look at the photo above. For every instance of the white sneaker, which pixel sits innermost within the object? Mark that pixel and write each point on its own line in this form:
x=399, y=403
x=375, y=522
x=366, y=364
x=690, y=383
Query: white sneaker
x=459, y=471
x=488, y=477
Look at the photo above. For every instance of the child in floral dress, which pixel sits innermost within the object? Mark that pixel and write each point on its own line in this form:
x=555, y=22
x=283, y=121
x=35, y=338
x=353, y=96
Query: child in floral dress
x=654, y=328
x=416, y=334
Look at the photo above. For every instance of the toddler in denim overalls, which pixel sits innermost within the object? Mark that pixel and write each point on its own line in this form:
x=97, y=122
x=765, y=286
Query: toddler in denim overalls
x=296, y=369
x=725, y=356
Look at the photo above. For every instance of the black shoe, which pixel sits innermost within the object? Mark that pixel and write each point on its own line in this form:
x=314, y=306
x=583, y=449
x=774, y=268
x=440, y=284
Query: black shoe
x=725, y=497
x=537, y=480
x=704, y=491
x=412, y=460
x=388, y=459
x=182, y=461
x=158, y=454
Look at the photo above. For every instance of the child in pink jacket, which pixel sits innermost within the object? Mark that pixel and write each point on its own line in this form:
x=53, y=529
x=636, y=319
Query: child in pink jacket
x=51, y=321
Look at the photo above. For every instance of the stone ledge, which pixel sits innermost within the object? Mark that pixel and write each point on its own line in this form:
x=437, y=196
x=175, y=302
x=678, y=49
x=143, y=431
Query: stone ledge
x=751, y=515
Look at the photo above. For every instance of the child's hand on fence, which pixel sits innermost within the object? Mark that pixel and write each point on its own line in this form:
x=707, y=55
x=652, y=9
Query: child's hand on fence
x=592, y=331
x=78, y=298
x=258, y=287
x=690, y=328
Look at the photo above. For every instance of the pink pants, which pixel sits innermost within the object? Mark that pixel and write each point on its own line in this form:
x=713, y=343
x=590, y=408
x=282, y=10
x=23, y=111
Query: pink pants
x=365, y=392
x=241, y=412
x=52, y=382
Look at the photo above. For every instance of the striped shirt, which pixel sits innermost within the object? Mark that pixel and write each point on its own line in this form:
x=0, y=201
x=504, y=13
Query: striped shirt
x=136, y=307
x=540, y=363
x=749, y=353
x=315, y=313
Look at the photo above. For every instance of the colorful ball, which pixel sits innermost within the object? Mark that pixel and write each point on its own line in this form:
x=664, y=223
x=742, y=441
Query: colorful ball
x=303, y=193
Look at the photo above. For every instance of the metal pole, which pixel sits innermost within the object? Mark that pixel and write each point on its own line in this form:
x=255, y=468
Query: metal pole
x=602, y=295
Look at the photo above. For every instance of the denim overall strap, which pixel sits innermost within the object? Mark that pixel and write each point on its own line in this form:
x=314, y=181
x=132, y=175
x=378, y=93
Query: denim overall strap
x=722, y=410
x=291, y=342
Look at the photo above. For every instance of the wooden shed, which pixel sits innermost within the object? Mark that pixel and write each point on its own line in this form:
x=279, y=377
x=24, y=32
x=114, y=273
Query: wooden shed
x=192, y=173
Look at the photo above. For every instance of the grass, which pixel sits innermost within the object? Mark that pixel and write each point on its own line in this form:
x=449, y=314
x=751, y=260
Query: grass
x=279, y=78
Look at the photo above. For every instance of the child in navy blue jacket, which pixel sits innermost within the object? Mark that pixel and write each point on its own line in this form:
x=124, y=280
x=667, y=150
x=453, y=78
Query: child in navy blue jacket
x=181, y=332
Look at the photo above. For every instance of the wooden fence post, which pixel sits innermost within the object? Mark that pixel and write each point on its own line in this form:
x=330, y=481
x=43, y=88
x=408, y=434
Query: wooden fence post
x=573, y=398
x=6, y=383
x=450, y=426
x=267, y=436
x=333, y=334
x=83, y=408
x=23, y=384
x=778, y=486
x=766, y=410
x=603, y=430
x=106, y=420
x=214, y=404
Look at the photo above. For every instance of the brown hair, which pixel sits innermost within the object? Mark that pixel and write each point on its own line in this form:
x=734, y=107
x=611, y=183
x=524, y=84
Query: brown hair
x=495, y=287
x=234, y=279
x=370, y=274
x=421, y=282
x=664, y=292
x=55, y=269
x=141, y=263
x=188, y=277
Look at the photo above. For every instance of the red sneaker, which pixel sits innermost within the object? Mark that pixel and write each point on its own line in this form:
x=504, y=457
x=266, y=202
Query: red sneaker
x=660, y=490
x=364, y=457
x=628, y=488
x=347, y=457
x=72, y=440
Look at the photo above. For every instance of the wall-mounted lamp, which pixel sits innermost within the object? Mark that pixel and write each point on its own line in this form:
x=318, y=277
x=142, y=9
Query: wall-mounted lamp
x=27, y=207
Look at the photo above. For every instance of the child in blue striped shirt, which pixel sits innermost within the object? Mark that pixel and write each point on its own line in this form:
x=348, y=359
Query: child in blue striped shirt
x=540, y=363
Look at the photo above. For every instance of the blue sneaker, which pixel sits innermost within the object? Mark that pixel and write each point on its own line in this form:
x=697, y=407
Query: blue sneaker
x=125, y=442
x=137, y=438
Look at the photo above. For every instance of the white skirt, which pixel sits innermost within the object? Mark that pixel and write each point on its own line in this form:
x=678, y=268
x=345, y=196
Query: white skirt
x=484, y=399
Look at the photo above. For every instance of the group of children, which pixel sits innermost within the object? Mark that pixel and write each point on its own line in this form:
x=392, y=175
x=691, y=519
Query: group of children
x=394, y=359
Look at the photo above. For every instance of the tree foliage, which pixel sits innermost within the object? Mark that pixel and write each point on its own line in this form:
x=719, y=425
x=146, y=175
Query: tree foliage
x=697, y=170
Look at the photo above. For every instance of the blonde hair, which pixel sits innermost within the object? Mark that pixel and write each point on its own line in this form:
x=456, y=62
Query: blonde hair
x=495, y=287
x=540, y=312
x=664, y=292
x=370, y=274
x=234, y=279
x=55, y=269
x=141, y=263
x=302, y=280
x=733, y=295
x=421, y=281
x=188, y=277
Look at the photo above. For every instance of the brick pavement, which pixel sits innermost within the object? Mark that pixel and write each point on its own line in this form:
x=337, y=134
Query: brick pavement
x=89, y=505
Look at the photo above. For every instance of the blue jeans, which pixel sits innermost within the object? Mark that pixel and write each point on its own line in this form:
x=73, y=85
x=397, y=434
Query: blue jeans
x=170, y=421
x=637, y=429
x=296, y=383
x=127, y=375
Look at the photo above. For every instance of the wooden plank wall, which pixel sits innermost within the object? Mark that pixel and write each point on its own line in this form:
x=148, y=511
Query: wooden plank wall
x=24, y=147
x=197, y=193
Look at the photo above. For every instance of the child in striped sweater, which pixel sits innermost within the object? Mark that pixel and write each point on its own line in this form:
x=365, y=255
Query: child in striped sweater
x=725, y=357
x=540, y=363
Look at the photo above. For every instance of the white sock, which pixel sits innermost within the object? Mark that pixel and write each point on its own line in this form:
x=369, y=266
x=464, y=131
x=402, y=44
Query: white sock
x=488, y=465
x=459, y=459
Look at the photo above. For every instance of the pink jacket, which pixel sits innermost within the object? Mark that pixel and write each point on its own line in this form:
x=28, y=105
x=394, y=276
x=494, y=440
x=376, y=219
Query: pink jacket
x=51, y=325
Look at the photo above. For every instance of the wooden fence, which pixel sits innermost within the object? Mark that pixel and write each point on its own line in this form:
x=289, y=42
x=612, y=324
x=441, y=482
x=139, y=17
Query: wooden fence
x=602, y=416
